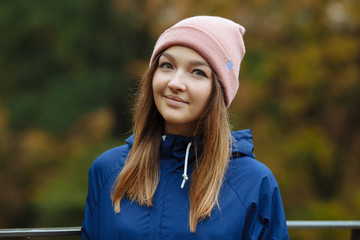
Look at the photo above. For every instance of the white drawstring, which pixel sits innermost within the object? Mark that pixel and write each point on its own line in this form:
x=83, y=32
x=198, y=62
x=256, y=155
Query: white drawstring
x=185, y=177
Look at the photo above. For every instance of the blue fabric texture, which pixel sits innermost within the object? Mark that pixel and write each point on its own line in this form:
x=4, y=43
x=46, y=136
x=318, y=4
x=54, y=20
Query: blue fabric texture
x=250, y=201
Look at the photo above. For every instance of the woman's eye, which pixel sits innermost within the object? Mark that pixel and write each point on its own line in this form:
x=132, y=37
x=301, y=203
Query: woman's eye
x=166, y=66
x=199, y=73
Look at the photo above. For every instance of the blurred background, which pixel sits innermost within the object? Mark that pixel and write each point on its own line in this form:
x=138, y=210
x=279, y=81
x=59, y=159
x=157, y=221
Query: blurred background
x=69, y=69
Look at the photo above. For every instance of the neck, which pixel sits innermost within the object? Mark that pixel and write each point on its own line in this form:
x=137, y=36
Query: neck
x=185, y=129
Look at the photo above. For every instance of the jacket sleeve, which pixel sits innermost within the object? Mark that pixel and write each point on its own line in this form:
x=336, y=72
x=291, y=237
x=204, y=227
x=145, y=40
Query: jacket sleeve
x=266, y=218
x=91, y=200
x=86, y=226
x=106, y=166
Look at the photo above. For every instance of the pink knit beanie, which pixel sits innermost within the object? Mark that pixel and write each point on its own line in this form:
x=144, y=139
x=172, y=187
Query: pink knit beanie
x=218, y=40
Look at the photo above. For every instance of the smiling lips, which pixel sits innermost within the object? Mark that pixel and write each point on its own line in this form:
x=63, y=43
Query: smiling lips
x=174, y=100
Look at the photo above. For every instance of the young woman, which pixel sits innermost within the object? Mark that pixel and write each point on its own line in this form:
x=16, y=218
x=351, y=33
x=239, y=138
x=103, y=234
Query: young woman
x=183, y=174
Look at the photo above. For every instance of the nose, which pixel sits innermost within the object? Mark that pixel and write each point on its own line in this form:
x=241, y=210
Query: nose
x=177, y=82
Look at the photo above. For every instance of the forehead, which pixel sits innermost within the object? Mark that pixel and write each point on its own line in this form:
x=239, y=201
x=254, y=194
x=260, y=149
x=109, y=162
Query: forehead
x=184, y=53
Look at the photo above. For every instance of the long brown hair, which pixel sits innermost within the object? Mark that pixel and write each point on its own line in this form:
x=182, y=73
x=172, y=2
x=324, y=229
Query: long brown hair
x=140, y=176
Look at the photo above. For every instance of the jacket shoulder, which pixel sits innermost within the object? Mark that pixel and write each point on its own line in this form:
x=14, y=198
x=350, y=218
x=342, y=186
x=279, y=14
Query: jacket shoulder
x=259, y=193
x=108, y=163
x=249, y=178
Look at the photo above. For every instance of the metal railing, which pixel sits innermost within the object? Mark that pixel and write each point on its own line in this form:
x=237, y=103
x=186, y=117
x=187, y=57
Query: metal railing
x=354, y=226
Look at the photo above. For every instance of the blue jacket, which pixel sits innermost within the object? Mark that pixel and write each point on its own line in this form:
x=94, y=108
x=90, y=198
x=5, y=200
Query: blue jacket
x=250, y=201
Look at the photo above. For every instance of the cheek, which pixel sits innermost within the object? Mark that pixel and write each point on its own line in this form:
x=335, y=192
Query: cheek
x=157, y=83
x=202, y=94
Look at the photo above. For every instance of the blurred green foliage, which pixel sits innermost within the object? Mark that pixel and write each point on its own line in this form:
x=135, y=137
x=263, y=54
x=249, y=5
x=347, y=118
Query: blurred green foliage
x=60, y=60
x=68, y=70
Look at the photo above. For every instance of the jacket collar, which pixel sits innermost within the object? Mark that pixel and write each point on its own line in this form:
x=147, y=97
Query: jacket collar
x=175, y=145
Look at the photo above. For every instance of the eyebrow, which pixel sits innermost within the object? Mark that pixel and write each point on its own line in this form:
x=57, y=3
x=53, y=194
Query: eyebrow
x=192, y=62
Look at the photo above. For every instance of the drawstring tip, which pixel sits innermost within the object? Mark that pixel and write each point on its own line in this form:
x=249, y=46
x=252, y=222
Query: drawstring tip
x=183, y=183
x=185, y=177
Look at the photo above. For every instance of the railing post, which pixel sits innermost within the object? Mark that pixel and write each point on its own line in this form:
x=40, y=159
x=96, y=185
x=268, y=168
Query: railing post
x=355, y=234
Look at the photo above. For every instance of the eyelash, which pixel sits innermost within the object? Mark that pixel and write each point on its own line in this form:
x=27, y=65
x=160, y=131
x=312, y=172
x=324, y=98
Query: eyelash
x=202, y=73
x=164, y=64
x=167, y=66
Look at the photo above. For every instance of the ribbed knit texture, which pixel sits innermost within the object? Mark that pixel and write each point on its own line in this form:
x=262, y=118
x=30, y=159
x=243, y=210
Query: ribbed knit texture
x=218, y=40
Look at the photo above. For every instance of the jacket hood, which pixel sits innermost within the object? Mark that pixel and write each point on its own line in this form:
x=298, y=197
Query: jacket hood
x=242, y=143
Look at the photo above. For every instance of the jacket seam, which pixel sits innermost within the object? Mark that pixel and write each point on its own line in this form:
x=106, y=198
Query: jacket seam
x=102, y=188
x=236, y=193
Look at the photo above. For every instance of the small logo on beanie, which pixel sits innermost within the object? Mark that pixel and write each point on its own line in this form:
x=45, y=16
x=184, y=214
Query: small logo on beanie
x=229, y=65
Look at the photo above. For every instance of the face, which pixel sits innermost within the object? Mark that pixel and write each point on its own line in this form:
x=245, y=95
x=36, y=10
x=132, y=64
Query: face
x=182, y=85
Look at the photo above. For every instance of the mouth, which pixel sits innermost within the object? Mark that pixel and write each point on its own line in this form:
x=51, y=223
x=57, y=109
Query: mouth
x=175, y=99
